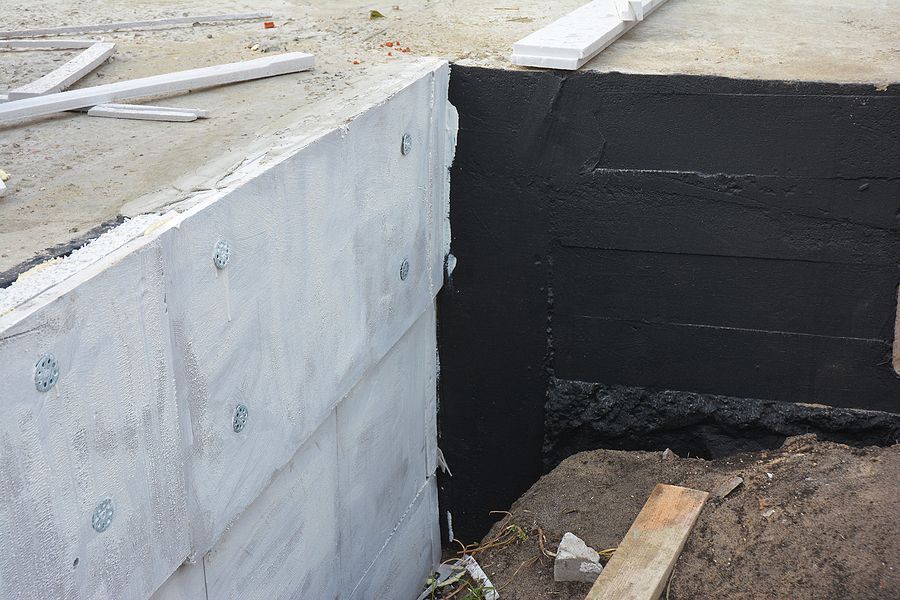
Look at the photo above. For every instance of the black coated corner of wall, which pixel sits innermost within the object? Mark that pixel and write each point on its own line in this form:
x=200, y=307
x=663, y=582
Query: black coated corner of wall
x=716, y=236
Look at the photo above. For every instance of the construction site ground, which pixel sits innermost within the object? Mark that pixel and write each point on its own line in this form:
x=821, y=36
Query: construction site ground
x=811, y=520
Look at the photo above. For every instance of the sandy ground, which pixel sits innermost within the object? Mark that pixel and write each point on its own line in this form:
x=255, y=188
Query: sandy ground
x=811, y=520
x=70, y=172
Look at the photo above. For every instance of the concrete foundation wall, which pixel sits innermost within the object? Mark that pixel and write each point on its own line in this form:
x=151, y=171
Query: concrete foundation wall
x=683, y=234
x=320, y=325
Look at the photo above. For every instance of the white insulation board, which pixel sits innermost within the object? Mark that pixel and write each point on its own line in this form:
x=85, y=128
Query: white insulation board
x=354, y=513
x=157, y=346
x=311, y=297
x=412, y=552
x=383, y=428
x=108, y=429
x=574, y=39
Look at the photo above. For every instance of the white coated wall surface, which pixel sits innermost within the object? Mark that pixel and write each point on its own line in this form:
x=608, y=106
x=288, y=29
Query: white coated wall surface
x=309, y=327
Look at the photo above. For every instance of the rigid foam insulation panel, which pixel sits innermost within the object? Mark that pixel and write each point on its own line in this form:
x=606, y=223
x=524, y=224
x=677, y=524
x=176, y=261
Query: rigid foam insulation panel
x=156, y=348
x=349, y=490
x=355, y=510
x=386, y=432
x=312, y=295
x=408, y=553
x=109, y=428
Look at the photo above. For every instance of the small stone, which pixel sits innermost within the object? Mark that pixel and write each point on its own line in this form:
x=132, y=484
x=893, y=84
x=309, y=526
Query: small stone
x=575, y=560
x=668, y=454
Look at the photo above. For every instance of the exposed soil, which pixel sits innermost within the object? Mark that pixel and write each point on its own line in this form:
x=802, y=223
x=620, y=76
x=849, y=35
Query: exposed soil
x=811, y=520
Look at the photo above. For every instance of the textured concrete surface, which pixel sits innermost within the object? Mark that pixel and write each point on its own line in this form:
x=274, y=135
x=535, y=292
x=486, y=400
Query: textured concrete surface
x=71, y=172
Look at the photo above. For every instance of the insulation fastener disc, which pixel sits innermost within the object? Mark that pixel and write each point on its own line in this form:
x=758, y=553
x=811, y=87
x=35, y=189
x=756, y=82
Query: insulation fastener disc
x=406, y=146
x=239, y=420
x=221, y=254
x=404, y=270
x=103, y=516
x=46, y=372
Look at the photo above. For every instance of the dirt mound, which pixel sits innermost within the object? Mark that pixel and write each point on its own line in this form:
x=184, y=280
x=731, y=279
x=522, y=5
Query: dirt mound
x=811, y=520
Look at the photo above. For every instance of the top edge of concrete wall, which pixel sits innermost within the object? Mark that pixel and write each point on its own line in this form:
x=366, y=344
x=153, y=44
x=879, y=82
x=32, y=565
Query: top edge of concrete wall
x=72, y=173
x=154, y=215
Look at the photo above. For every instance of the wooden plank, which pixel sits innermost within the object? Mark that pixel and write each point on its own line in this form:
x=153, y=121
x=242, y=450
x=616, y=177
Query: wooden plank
x=205, y=19
x=577, y=37
x=61, y=78
x=641, y=566
x=46, y=44
x=142, y=113
x=169, y=83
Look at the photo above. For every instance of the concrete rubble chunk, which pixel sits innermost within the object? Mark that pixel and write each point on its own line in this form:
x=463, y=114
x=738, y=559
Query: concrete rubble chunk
x=669, y=455
x=575, y=560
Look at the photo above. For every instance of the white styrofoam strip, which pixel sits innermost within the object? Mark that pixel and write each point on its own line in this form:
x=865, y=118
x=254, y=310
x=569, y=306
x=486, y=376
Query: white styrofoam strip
x=201, y=113
x=180, y=81
x=61, y=78
x=630, y=10
x=574, y=39
x=143, y=113
x=52, y=44
x=480, y=577
x=205, y=19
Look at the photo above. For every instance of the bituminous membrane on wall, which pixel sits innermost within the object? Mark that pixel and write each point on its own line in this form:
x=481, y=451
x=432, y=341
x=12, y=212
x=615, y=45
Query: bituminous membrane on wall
x=328, y=491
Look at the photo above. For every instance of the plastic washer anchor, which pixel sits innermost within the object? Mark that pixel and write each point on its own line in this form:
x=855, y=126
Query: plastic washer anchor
x=103, y=516
x=46, y=372
x=239, y=420
x=406, y=145
x=221, y=254
x=404, y=270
